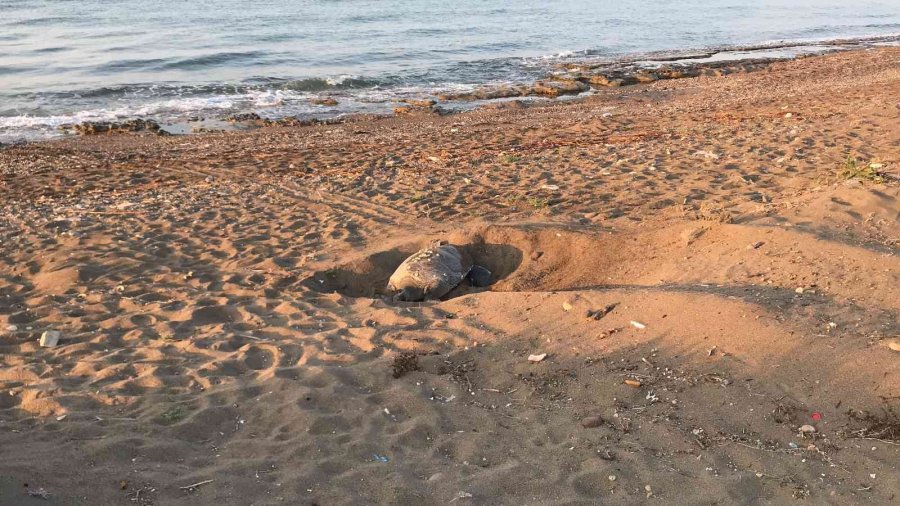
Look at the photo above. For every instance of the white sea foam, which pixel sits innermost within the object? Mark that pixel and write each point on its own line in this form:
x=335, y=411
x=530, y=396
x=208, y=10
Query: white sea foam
x=172, y=108
x=340, y=79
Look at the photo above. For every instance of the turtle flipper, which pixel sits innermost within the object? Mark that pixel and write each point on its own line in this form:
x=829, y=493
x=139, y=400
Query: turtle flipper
x=479, y=276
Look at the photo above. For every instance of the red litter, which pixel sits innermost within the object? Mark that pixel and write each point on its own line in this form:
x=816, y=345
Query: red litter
x=816, y=416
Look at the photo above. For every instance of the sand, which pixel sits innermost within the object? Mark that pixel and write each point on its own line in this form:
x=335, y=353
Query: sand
x=703, y=267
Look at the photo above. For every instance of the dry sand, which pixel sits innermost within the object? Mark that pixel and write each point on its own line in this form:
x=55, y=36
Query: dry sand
x=218, y=298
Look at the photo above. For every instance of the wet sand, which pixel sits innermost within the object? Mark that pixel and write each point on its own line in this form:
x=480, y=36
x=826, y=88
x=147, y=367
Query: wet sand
x=225, y=337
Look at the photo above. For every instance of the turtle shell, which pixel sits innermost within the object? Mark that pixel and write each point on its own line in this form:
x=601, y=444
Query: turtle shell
x=435, y=270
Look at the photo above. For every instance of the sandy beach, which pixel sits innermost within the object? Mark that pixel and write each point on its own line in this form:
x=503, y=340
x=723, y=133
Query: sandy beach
x=706, y=267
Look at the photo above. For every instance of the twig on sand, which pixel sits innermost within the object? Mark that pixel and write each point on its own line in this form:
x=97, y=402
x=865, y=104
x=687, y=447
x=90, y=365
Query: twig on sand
x=248, y=336
x=195, y=485
x=885, y=441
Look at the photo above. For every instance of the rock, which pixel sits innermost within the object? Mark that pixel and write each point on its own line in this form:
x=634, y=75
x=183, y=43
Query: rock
x=591, y=422
x=799, y=289
x=894, y=345
x=537, y=358
x=638, y=325
x=487, y=93
x=408, y=109
x=424, y=104
x=602, y=80
x=134, y=125
x=12, y=328
x=558, y=87
x=511, y=104
x=536, y=255
x=325, y=101
x=243, y=117
x=567, y=306
x=645, y=77
x=633, y=383
x=671, y=73
x=807, y=429
x=50, y=339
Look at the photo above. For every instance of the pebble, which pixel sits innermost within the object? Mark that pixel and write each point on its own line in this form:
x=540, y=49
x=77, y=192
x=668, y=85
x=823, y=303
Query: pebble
x=591, y=422
x=12, y=328
x=567, y=306
x=537, y=358
x=638, y=325
x=894, y=345
x=633, y=383
x=799, y=289
x=612, y=477
x=49, y=339
x=807, y=429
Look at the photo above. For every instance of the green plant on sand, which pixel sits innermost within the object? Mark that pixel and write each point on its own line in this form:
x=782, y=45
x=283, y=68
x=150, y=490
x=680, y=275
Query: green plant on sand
x=864, y=171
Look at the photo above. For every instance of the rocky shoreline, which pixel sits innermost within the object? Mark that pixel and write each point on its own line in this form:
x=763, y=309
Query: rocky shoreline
x=566, y=79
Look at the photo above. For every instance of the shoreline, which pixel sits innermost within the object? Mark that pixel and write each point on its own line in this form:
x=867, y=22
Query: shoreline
x=708, y=269
x=582, y=77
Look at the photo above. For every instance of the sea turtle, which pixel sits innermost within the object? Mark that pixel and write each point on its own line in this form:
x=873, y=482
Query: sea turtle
x=432, y=272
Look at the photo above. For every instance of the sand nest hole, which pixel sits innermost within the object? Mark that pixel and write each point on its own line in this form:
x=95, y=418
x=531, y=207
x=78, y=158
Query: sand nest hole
x=520, y=258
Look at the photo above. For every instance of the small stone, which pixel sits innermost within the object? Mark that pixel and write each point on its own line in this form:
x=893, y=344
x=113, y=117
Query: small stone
x=591, y=422
x=49, y=339
x=638, y=325
x=807, y=429
x=567, y=306
x=633, y=383
x=612, y=477
x=894, y=345
x=536, y=255
x=12, y=328
x=788, y=115
x=537, y=358
x=756, y=245
x=876, y=166
x=799, y=289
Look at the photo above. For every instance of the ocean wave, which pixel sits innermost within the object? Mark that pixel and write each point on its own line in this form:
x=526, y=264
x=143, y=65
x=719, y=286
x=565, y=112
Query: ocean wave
x=212, y=60
x=175, y=106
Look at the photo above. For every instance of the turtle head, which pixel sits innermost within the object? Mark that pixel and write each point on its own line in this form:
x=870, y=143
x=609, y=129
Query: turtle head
x=409, y=294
